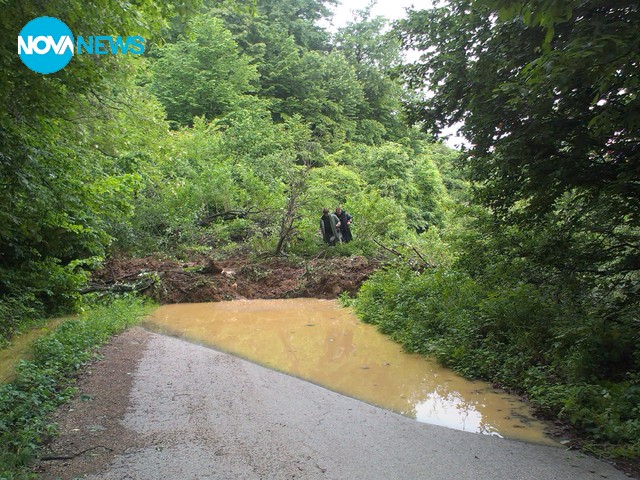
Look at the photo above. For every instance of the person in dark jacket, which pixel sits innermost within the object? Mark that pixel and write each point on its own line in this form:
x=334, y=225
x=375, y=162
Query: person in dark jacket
x=330, y=227
x=345, y=224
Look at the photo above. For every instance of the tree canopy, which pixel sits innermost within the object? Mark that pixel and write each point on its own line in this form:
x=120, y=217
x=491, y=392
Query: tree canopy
x=550, y=107
x=202, y=74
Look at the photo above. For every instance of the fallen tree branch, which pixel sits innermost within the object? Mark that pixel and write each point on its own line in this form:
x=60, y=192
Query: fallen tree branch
x=228, y=215
x=123, y=287
x=395, y=252
x=426, y=262
x=116, y=288
x=72, y=456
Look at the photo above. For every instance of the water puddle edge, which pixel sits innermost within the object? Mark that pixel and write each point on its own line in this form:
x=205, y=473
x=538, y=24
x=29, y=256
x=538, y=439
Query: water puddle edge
x=20, y=348
x=321, y=342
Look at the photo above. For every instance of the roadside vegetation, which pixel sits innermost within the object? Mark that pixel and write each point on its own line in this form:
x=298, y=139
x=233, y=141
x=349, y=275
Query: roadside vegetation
x=47, y=380
x=541, y=294
x=515, y=260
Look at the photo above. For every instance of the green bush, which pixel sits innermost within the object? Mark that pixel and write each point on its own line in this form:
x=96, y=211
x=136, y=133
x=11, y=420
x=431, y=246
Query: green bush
x=426, y=312
x=17, y=312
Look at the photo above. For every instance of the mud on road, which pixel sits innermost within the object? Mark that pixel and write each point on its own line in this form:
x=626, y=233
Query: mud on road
x=156, y=407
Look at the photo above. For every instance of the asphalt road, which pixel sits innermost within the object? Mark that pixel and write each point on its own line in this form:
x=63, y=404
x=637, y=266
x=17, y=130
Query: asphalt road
x=201, y=414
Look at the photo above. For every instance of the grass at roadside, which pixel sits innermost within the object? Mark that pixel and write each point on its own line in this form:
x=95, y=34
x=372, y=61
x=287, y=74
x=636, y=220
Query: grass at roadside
x=47, y=380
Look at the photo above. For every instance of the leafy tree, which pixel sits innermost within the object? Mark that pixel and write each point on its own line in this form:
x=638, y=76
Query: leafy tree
x=432, y=196
x=549, y=104
x=547, y=93
x=299, y=18
x=197, y=185
x=60, y=196
x=447, y=162
x=378, y=220
x=73, y=196
x=297, y=76
x=389, y=169
x=327, y=95
x=332, y=185
x=556, y=153
x=202, y=74
x=375, y=55
x=295, y=193
x=279, y=63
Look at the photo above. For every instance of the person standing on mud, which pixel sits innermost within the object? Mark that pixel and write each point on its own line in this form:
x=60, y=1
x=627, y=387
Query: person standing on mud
x=330, y=227
x=345, y=222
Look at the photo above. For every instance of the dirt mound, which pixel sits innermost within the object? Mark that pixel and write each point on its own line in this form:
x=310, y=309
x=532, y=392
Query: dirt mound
x=205, y=280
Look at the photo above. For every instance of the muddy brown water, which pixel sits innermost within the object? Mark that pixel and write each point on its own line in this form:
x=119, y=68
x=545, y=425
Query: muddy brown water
x=319, y=341
x=21, y=348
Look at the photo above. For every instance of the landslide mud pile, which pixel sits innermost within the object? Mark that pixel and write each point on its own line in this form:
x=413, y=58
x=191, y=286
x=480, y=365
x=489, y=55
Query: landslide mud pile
x=205, y=280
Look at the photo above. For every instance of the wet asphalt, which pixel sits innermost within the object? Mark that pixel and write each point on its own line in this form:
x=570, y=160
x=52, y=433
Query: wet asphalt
x=203, y=414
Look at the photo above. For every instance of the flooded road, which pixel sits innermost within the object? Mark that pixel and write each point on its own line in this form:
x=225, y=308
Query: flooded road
x=321, y=342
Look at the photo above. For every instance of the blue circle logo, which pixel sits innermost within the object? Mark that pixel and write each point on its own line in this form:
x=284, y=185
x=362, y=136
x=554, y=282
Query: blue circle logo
x=45, y=45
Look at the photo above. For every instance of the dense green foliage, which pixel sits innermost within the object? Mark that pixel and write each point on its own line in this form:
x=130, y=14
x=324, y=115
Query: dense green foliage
x=541, y=295
x=68, y=147
x=569, y=362
x=45, y=381
x=516, y=261
x=201, y=74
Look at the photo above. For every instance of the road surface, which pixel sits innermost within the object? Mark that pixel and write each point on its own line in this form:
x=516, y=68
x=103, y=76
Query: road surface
x=190, y=412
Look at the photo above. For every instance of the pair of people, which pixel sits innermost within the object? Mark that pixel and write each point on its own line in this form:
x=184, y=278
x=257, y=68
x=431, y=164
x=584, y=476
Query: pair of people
x=335, y=227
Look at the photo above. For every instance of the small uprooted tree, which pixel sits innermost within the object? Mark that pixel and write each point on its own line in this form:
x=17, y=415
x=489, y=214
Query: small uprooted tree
x=297, y=189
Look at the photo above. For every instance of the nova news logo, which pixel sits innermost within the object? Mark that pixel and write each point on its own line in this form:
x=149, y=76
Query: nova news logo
x=46, y=45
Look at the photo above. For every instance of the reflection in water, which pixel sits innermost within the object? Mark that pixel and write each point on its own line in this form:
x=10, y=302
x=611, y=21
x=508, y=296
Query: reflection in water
x=323, y=343
x=452, y=411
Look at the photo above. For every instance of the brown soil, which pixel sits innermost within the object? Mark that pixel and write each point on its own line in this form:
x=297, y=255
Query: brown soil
x=205, y=280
